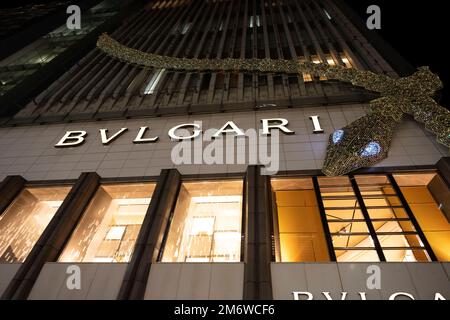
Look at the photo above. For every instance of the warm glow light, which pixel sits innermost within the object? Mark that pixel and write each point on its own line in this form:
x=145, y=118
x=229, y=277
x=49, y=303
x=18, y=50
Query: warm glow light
x=216, y=199
x=203, y=226
x=346, y=62
x=139, y=201
x=307, y=77
x=25, y=220
x=207, y=224
x=53, y=204
x=110, y=226
x=115, y=233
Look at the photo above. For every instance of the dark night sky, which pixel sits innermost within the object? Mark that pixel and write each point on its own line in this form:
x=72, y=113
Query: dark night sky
x=418, y=31
x=413, y=28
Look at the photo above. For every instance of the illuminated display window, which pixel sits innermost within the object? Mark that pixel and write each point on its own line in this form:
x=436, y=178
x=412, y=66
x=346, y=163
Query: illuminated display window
x=348, y=229
x=398, y=238
x=368, y=219
x=346, y=61
x=429, y=199
x=206, y=225
x=300, y=236
x=25, y=220
x=307, y=77
x=109, y=227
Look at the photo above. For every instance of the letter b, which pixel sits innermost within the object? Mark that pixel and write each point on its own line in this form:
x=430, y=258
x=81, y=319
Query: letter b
x=71, y=139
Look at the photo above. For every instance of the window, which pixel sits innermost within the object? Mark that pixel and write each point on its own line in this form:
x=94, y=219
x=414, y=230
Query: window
x=206, y=223
x=25, y=220
x=330, y=60
x=346, y=61
x=398, y=238
x=348, y=229
x=154, y=80
x=108, y=230
x=327, y=14
x=254, y=20
x=317, y=60
x=300, y=236
x=429, y=199
x=369, y=218
x=307, y=77
x=186, y=27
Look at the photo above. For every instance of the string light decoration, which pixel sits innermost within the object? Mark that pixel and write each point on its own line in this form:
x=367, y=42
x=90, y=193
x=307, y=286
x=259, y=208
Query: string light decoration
x=364, y=142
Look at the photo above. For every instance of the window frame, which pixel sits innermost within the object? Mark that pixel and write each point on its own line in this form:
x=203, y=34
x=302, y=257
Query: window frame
x=207, y=178
x=389, y=173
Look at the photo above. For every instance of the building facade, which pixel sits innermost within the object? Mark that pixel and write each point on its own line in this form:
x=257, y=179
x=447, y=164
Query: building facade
x=90, y=186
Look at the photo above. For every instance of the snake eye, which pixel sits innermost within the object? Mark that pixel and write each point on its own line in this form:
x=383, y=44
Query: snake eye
x=371, y=150
x=338, y=135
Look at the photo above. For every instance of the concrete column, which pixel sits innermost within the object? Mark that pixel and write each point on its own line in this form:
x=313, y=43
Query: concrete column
x=257, y=231
x=151, y=235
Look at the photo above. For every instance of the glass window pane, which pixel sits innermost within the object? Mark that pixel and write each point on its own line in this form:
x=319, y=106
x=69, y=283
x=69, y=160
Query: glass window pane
x=393, y=226
x=24, y=221
x=337, y=182
x=429, y=199
x=350, y=236
x=406, y=255
x=371, y=181
x=348, y=227
x=388, y=213
x=344, y=214
x=352, y=241
x=399, y=241
x=206, y=225
x=300, y=235
x=110, y=225
x=341, y=202
x=300, y=247
x=381, y=202
x=357, y=256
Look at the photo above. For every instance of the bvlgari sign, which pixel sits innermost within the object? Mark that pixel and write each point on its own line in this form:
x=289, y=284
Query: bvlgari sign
x=229, y=145
x=76, y=138
x=305, y=295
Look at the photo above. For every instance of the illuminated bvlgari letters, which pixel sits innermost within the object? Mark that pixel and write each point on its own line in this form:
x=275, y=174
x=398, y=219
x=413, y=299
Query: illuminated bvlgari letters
x=106, y=140
x=316, y=123
x=140, y=137
x=229, y=127
x=297, y=295
x=175, y=137
x=78, y=136
x=279, y=124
